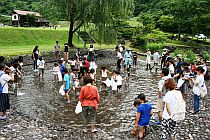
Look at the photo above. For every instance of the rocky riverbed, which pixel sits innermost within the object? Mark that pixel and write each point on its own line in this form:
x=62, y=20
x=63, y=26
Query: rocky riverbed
x=39, y=111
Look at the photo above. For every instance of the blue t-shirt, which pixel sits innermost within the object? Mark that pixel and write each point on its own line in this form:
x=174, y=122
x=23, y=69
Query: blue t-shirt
x=62, y=67
x=144, y=110
x=67, y=80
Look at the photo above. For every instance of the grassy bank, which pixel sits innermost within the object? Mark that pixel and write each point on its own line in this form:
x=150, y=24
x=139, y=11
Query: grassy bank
x=14, y=41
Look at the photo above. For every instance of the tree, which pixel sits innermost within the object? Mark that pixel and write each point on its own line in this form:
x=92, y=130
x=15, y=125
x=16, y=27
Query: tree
x=31, y=19
x=186, y=12
x=78, y=12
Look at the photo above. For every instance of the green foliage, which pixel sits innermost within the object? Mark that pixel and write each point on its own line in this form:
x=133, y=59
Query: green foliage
x=187, y=55
x=127, y=33
x=190, y=56
x=178, y=51
x=6, y=20
x=154, y=46
x=7, y=6
x=80, y=12
x=147, y=22
x=177, y=16
x=157, y=36
x=205, y=55
x=31, y=19
x=139, y=43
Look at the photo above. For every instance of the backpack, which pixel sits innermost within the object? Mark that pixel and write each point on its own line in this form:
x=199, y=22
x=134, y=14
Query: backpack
x=1, y=87
x=179, y=109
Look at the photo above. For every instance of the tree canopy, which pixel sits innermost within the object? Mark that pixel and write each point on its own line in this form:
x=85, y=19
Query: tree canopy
x=79, y=12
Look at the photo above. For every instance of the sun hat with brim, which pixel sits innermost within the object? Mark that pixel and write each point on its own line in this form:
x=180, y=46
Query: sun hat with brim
x=165, y=49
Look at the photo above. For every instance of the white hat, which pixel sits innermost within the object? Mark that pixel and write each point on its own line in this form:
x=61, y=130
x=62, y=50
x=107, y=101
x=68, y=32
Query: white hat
x=62, y=59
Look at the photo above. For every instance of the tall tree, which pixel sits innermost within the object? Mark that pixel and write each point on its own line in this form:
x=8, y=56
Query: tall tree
x=79, y=12
x=186, y=12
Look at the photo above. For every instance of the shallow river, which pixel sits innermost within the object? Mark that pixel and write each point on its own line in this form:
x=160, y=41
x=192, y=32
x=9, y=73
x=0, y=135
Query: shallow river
x=40, y=112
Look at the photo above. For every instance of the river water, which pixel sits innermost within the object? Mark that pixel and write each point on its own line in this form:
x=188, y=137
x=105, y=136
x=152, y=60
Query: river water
x=40, y=112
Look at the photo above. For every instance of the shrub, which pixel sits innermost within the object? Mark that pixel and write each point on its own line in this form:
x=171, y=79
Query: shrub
x=139, y=43
x=154, y=46
x=127, y=33
x=205, y=55
x=178, y=51
x=190, y=56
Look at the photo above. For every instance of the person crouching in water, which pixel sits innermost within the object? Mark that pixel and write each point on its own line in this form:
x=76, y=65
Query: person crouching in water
x=116, y=82
x=144, y=112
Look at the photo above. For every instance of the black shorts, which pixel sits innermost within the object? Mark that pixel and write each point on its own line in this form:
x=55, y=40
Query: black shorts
x=119, y=86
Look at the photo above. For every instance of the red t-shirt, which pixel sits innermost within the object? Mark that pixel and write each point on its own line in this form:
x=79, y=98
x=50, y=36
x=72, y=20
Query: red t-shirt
x=86, y=65
x=89, y=96
x=193, y=68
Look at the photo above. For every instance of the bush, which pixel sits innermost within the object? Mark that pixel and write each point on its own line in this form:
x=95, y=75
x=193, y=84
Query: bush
x=205, y=55
x=190, y=56
x=154, y=46
x=127, y=33
x=178, y=51
x=139, y=43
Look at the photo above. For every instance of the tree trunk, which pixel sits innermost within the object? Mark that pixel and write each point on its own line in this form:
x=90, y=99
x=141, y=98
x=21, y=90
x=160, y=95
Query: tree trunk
x=71, y=33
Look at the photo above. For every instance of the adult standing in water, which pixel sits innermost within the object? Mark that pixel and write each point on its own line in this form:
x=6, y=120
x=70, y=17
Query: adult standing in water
x=66, y=51
x=128, y=58
x=89, y=99
x=148, y=59
x=4, y=96
x=56, y=49
x=119, y=59
x=35, y=56
x=91, y=53
x=199, y=84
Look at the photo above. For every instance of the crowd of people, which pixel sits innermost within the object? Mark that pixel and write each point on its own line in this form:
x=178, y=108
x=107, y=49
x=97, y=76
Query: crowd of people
x=79, y=75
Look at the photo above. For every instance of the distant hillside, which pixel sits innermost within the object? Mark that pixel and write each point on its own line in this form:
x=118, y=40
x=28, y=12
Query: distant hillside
x=7, y=6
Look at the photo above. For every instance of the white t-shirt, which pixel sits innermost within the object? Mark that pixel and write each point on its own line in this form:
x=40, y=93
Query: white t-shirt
x=156, y=57
x=200, y=80
x=148, y=57
x=114, y=85
x=205, y=69
x=162, y=82
x=171, y=97
x=119, y=55
x=171, y=68
x=4, y=79
x=73, y=63
x=56, y=70
x=104, y=73
x=40, y=64
x=119, y=80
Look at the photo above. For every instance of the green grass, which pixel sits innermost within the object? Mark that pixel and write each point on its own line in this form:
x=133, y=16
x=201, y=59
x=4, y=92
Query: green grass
x=15, y=41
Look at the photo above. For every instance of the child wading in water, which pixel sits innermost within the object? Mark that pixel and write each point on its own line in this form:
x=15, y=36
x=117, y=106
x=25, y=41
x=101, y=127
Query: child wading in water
x=144, y=112
x=104, y=75
x=56, y=70
x=41, y=65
